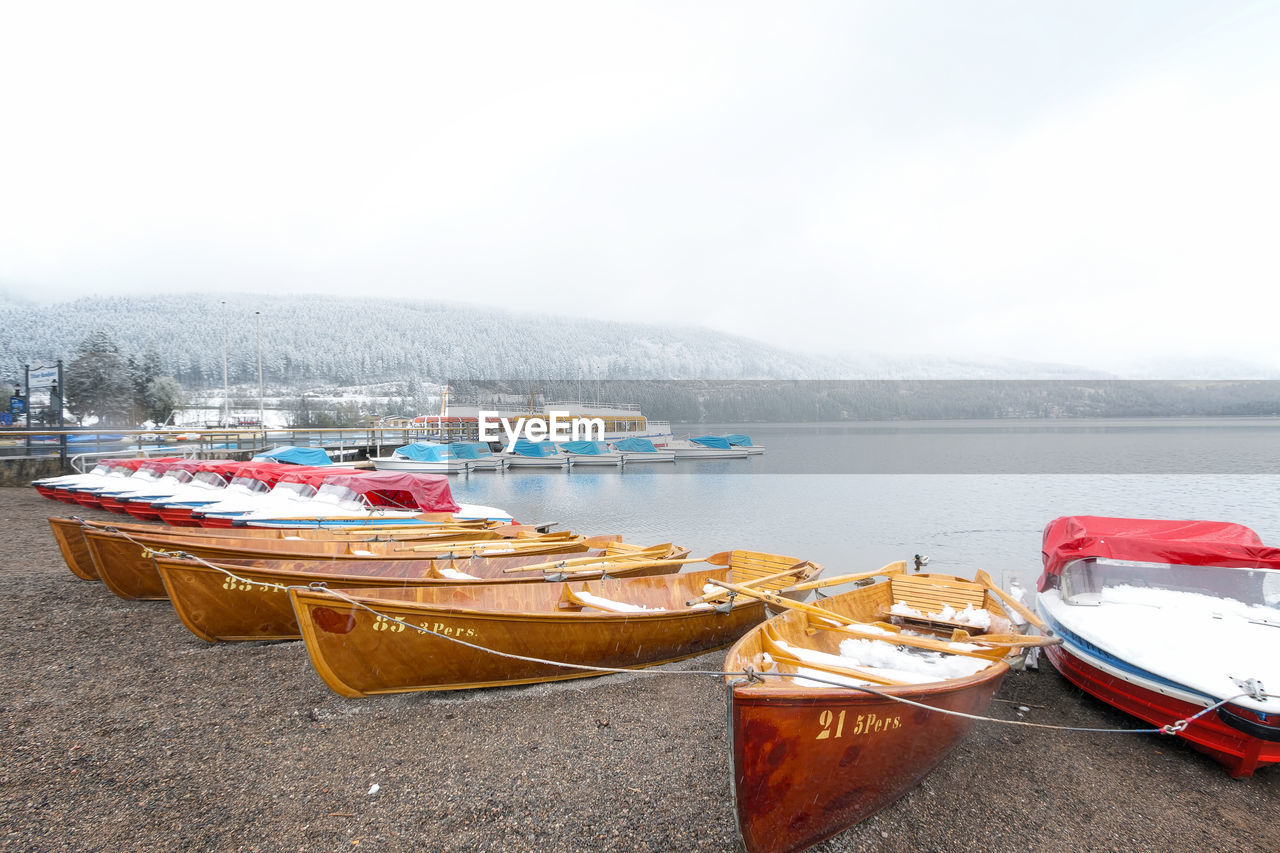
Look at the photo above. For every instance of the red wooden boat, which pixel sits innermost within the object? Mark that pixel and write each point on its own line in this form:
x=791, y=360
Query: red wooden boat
x=812, y=756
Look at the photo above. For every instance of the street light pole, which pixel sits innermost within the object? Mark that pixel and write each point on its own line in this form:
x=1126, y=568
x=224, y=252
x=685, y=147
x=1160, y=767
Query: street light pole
x=262, y=420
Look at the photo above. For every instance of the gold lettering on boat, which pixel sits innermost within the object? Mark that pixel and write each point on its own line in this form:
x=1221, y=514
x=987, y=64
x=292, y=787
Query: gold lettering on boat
x=863, y=724
x=385, y=624
x=448, y=630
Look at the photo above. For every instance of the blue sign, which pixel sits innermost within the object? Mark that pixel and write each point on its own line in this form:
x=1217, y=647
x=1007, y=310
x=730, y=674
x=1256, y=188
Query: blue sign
x=6, y=419
x=17, y=405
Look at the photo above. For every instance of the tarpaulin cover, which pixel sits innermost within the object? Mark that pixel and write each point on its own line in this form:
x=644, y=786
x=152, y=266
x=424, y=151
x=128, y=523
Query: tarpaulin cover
x=424, y=451
x=297, y=455
x=717, y=441
x=1185, y=543
x=635, y=445
x=135, y=464
x=160, y=465
x=471, y=450
x=424, y=492
x=586, y=448
x=224, y=467
x=314, y=477
x=193, y=464
x=525, y=447
x=268, y=472
x=738, y=440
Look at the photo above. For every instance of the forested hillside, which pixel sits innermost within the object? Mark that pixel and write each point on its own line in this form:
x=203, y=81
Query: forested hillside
x=308, y=340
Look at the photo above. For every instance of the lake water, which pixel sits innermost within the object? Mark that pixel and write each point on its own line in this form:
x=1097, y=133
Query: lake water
x=969, y=494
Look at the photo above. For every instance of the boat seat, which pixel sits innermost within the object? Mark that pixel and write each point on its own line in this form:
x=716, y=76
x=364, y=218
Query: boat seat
x=930, y=594
x=747, y=567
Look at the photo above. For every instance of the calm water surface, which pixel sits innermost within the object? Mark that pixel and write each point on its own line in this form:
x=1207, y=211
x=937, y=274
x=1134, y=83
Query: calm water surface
x=969, y=494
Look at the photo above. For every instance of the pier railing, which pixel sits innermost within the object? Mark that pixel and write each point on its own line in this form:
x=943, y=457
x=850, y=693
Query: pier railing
x=81, y=448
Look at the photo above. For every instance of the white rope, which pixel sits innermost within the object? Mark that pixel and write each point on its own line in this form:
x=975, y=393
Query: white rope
x=1173, y=728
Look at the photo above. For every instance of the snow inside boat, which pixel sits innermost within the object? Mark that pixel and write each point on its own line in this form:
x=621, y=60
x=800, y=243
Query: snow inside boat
x=1164, y=619
x=514, y=632
x=819, y=739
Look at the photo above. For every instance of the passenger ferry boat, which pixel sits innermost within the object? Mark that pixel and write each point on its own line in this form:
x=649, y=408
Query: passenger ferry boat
x=460, y=421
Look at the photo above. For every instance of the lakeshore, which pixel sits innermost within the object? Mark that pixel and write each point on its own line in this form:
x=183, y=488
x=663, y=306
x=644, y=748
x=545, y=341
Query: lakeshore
x=121, y=730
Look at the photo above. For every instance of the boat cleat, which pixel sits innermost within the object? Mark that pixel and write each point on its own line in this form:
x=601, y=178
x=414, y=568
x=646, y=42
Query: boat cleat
x=1253, y=687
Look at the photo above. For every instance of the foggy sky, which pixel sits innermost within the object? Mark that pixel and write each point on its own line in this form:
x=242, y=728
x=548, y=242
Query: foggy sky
x=1084, y=182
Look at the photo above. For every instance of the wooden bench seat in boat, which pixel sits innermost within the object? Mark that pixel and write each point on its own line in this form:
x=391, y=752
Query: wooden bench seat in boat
x=749, y=567
x=930, y=594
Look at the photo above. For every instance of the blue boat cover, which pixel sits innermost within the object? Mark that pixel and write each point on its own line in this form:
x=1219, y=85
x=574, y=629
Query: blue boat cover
x=471, y=450
x=525, y=447
x=586, y=448
x=297, y=455
x=424, y=451
x=739, y=440
x=635, y=445
x=717, y=441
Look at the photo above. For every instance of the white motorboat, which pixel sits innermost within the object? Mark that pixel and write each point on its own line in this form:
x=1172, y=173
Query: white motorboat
x=744, y=442
x=705, y=447
x=435, y=458
x=1165, y=620
x=591, y=453
x=535, y=454
x=642, y=450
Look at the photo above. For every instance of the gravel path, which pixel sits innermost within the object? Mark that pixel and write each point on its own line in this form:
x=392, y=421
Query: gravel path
x=120, y=730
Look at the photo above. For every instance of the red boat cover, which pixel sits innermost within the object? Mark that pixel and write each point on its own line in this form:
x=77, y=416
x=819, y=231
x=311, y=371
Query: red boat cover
x=135, y=464
x=225, y=467
x=161, y=464
x=268, y=472
x=399, y=489
x=313, y=477
x=1185, y=543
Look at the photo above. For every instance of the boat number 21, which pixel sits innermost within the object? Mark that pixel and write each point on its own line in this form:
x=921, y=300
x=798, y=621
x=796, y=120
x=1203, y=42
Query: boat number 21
x=863, y=724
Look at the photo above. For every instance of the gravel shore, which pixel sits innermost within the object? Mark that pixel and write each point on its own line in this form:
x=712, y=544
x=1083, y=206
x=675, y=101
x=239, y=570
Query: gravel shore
x=120, y=730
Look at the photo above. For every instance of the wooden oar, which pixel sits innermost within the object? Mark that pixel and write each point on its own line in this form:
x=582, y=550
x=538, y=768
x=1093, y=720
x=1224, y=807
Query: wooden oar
x=754, y=582
x=836, y=622
x=642, y=556
x=1015, y=640
x=890, y=569
x=985, y=579
x=507, y=544
x=771, y=597
x=771, y=645
x=890, y=634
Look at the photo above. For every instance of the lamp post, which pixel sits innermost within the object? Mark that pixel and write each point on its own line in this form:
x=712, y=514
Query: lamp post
x=262, y=420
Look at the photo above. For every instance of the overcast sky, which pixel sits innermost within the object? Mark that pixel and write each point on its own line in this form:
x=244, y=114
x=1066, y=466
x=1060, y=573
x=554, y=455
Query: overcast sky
x=1084, y=182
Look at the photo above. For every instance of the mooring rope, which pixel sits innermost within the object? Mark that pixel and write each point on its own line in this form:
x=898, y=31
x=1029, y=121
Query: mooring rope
x=749, y=674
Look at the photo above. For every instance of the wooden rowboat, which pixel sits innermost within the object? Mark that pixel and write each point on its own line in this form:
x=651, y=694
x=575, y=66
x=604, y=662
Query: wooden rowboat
x=251, y=602
x=126, y=566
x=410, y=641
x=68, y=533
x=811, y=759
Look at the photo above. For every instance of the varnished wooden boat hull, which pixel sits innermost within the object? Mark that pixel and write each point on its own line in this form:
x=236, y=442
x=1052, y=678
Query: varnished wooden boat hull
x=130, y=573
x=810, y=765
x=66, y=532
x=810, y=761
x=218, y=608
x=358, y=653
